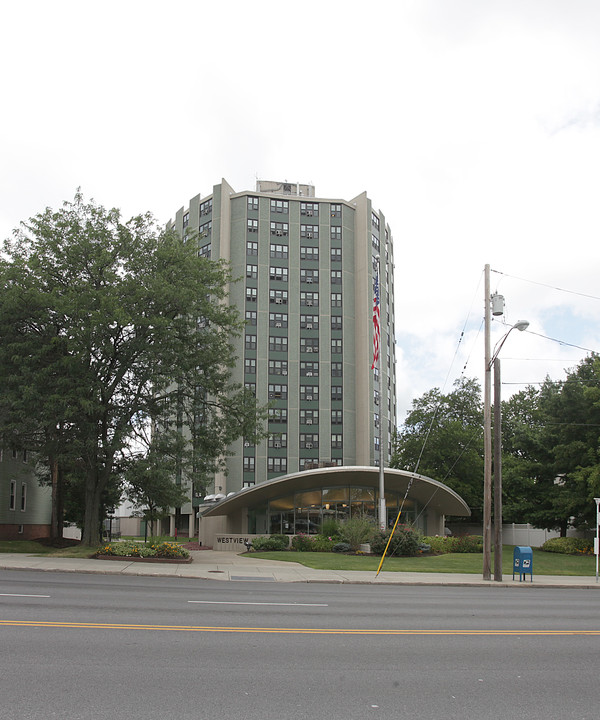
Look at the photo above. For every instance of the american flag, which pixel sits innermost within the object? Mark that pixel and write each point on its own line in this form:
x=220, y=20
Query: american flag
x=376, y=328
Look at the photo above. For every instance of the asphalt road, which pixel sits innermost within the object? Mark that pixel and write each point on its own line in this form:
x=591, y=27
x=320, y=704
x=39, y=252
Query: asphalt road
x=92, y=646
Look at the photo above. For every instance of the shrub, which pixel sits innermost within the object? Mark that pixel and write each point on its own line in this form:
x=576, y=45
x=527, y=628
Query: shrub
x=569, y=546
x=341, y=547
x=322, y=543
x=330, y=528
x=301, y=543
x=138, y=549
x=357, y=531
x=459, y=544
x=405, y=542
x=283, y=539
x=274, y=542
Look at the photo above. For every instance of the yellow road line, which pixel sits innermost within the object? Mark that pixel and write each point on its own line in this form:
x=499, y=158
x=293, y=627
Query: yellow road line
x=293, y=631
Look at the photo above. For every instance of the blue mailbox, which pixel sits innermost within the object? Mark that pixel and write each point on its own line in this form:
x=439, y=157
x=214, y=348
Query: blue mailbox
x=523, y=562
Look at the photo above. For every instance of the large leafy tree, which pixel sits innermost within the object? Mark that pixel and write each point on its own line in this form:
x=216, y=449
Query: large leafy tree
x=106, y=325
x=442, y=438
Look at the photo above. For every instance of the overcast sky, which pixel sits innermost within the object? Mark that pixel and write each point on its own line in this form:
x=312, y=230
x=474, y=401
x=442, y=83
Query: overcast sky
x=474, y=126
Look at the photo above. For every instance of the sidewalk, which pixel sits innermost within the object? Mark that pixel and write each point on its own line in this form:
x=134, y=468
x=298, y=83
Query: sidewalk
x=219, y=565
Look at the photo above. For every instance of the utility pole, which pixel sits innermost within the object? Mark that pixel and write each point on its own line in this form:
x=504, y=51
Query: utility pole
x=497, y=473
x=487, y=438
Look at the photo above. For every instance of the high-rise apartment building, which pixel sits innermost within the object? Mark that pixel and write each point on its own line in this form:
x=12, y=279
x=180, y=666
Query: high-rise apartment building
x=308, y=267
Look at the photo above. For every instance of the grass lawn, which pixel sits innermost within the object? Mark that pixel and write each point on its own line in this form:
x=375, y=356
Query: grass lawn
x=543, y=563
x=36, y=548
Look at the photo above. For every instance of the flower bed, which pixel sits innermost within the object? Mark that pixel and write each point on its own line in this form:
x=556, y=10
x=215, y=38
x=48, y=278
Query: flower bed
x=158, y=552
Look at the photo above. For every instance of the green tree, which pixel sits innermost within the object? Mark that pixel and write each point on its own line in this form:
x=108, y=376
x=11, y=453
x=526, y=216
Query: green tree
x=106, y=325
x=442, y=438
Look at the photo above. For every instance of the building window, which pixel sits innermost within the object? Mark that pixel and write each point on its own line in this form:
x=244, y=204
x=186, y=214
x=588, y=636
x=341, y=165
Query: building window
x=252, y=203
x=336, y=232
x=336, y=300
x=309, y=209
x=376, y=397
x=309, y=299
x=251, y=271
x=252, y=226
x=23, y=497
x=376, y=444
x=336, y=369
x=205, y=230
x=250, y=366
x=309, y=345
x=248, y=483
x=336, y=255
x=336, y=346
x=12, y=499
x=335, y=210
x=278, y=344
x=375, y=221
x=276, y=465
x=278, y=273
x=278, y=440
x=278, y=367
x=251, y=294
x=309, y=231
x=186, y=220
x=309, y=322
x=251, y=247
x=249, y=464
x=278, y=251
x=309, y=441
x=336, y=322
x=309, y=253
x=250, y=342
x=277, y=392
x=336, y=417
x=206, y=207
x=280, y=206
x=376, y=419
x=251, y=387
x=309, y=369
x=250, y=317
x=279, y=229
x=309, y=417
x=278, y=415
x=309, y=276
x=278, y=297
x=375, y=242
x=309, y=393
x=337, y=392
x=336, y=277
x=336, y=441
x=278, y=320
x=205, y=251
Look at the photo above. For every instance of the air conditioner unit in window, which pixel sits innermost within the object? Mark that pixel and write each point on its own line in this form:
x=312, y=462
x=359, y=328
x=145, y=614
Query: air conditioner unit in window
x=309, y=397
x=309, y=213
x=276, y=444
x=309, y=303
x=309, y=446
x=309, y=280
x=277, y=324
x=309, y=326
x=246, y=444
x=308, y=349
x=284, y=372
x=309, y=422
x=309, y=235
x=278, y=301
x=309, y=374
x=315, y=349
x=279, y=233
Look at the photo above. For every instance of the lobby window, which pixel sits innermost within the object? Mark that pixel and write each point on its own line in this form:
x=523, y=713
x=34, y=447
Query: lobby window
x=278, y=415
x=309, y=345
x=278, y=440
x=336, y=322
x=278, y=297
x=309, y=417
x=337, y=392
x=251, y=247
x=250, y=317
x=277, y=392
x=309, y=299
x=336, y=417
x=280, y=206
x=336, y=255
x=309, y=231
x=309, y=253
x=336, y=277
x=206, y=207
x=309, y=322
x=278, y=273
x=249, y=464
x=278, y=320
x=309, y=276
x=336, y=346
x=309, y=369
x=252, y=203
x=250, y=366
x=278, y=367
x=336, y=369
x=251, y=294
x=309, y=441
x=278, y=344
x=279, y=229
x=335, y=210
x=309, y=209
x=205, y=229
x=336, y=232
x=250, y=342
x=336, y=300
x=309, y=393
x=278, y=465
x=252, y=226
x=277, y=250
x=336, y=441
x=251, y=271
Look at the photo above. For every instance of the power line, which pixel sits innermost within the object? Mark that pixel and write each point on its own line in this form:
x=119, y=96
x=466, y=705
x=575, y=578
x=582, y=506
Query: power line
x=552, y=287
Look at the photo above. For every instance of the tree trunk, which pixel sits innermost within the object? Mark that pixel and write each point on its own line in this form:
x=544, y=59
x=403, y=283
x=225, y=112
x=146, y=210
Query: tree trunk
x=54, y=521
x=93, y=504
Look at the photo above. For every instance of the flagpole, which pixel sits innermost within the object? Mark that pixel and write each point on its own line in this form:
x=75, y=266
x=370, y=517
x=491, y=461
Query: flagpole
x=377, y=365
